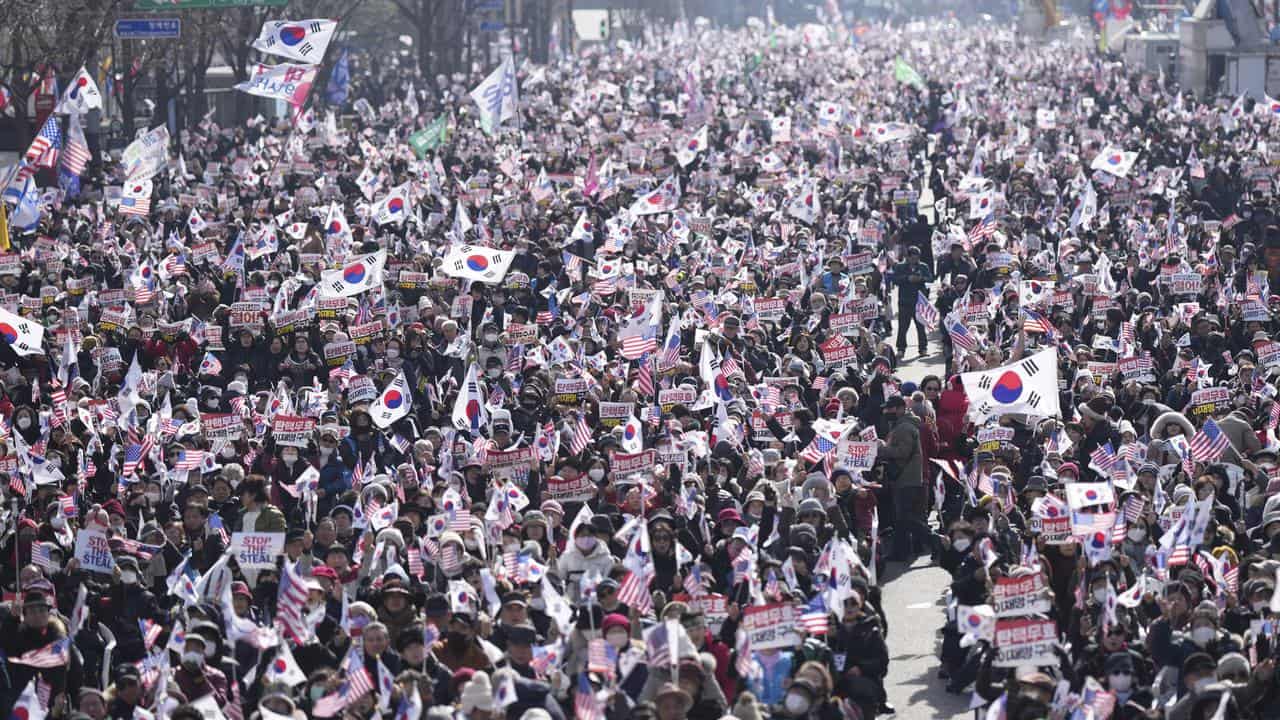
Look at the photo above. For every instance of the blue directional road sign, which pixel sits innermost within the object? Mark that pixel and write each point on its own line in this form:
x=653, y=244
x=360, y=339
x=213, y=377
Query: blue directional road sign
x=148, y=28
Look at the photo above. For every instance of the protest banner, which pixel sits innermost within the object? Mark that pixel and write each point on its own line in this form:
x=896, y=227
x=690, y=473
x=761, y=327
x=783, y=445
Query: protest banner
x=93, y=551
x=257, y=551
x=1020, y=596
x=1025, y=642
x=771, y=626
x=293, y=430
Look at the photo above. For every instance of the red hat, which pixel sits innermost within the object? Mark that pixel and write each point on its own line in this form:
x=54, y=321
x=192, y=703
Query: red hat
x=239, y=588
x=114, y=507
x=324, y=571
x=1069, y=467
x=613, y=620
x=832, y=407
x=730, y=514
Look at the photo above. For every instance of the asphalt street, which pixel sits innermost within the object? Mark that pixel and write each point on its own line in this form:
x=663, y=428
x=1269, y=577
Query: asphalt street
x=913, y=600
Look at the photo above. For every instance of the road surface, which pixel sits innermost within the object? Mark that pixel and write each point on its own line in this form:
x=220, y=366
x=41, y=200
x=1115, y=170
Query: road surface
x=912, y=599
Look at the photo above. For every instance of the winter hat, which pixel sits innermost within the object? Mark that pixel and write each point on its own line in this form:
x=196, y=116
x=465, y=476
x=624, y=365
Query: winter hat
x=478, y=694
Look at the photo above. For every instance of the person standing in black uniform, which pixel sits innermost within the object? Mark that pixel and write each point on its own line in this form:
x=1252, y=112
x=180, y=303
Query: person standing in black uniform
x=912, y=277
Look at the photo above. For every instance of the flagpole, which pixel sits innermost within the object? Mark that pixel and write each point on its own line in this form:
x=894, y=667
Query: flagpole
x=301, y=107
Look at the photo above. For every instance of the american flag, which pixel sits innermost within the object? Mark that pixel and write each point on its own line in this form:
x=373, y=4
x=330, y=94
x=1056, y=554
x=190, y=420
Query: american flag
x=671, y=346
x=42, y=557
x=1209, y=443
x=572, y=263
x=1104, y=457
x=634, y=591
x=357, y=475
x=601, y=657
x=55, y=654
x=984, y=229
x=815, y=619
x=961, y=337
x=1231, y=576
x=68, y=504
x=175, y=265
x=581, y=435
x=637, y=346
x=450, y=563
x=357, y=685
x=1133, y=508
x=1181, y=554
x=133, y=455
x=415, y=563
x=215, y=524
x=1273, y=419
x=1127, y=335
x=1034, y=322
x=150, y=630
x=693, y=582
x=819, y=383
x=291, y=606
x=744, y=663
x=818, y=449
x=76, y=155
x=460, y=520
x=49, y=139
x=644, y=376
x=585, y=705
x=189, y=459
x=926, y=312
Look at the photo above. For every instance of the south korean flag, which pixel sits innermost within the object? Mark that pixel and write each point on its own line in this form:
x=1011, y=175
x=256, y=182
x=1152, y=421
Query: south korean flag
x=301, y=40
x=24, y=336
x=355, y=277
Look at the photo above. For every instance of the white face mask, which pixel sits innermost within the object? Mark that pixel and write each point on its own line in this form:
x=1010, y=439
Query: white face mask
x=393, y=353
x=596, y=474
x=961, y=544
x=493, y=373
x=325, y=452
x=586, y=543
x=58, y=522
x=471, y=543
x=289, y=458
x=193, y=658
x=228, y=452
x=1203, y=683
x=511, y=547
x=796, y=704
x=128, y=577
x=1137, y=534
x=1120, y=682
x=153, y=497
x=24, y=422
x=1100, y=595
x=537, y=603
x=1260, y=605
x=618, y=639
x=1201, y=636
x=490, y=338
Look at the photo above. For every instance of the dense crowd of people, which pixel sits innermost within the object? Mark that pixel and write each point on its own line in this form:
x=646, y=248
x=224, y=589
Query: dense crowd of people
x=596, y=411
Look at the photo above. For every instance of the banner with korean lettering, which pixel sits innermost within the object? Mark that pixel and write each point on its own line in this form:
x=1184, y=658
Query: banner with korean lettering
x=771, y=626
x=1024, y=595
x=293, y=430
x=1025, y=642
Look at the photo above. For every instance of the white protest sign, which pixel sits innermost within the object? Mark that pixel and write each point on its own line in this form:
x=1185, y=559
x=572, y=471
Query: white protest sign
x=93, y=551
x=257, y=550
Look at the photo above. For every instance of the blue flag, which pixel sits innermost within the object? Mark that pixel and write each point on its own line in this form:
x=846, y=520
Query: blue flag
x=339, y=81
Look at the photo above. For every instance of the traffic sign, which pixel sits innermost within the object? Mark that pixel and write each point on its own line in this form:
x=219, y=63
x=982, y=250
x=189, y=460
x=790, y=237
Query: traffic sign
x=202, y=4
x=492, y=26
x=148, y=28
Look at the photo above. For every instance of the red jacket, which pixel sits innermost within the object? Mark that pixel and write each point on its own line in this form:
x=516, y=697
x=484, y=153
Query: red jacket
x=720, y=652
x=953, y=405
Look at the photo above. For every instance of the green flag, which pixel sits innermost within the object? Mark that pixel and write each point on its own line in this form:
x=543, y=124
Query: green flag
x=429, y=137
x=904, y=73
